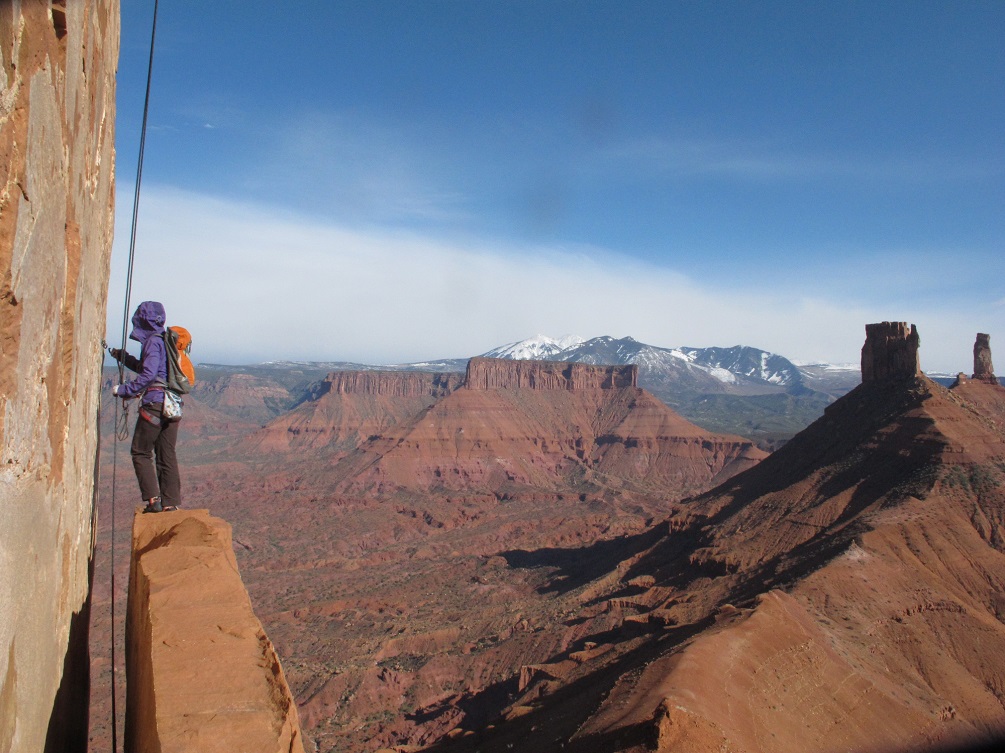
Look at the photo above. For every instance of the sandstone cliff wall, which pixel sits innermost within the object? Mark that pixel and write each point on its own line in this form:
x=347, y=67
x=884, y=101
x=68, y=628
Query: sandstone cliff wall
x=549, y=436
x=391, y=383
x=349, y=406
x=493, y=373
x=201, y=673
x=57, y=114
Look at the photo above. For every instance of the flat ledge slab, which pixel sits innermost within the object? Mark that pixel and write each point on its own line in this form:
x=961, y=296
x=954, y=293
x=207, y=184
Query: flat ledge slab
x=201, y=673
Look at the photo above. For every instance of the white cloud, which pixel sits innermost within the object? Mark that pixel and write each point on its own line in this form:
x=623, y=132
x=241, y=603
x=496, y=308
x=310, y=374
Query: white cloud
x=256, y=284
x=351, y=165
x=763, y=161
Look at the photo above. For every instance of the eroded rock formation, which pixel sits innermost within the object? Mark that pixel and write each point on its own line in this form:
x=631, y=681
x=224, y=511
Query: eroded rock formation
x=984, y=371
x=491, y=373
x=520, y=425
x=392, y=383
x=202, y=674
x=890, y=352
x=350, y=406
x=844, y=593
x=244, y=396
x=57, y=114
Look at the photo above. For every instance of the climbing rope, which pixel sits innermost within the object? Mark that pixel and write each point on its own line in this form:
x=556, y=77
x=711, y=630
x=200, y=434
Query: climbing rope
x=122, y=426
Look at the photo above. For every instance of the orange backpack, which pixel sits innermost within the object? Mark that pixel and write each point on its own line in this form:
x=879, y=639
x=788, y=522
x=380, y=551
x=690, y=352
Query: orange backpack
x=181, y=372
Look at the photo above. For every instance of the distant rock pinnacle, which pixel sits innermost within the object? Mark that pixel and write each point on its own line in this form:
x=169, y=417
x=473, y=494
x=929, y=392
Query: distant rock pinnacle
x=983, y=369
x=890, y=352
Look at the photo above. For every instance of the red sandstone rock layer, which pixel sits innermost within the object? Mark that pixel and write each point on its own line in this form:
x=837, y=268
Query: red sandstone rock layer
x=392, y=383
x=246, y=396
x=349, y=407
x=516, y=426
x=202, y=674
x=514, y=438
x=490, y=373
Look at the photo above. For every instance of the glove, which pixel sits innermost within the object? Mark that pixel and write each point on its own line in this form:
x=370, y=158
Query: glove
x=115, y=390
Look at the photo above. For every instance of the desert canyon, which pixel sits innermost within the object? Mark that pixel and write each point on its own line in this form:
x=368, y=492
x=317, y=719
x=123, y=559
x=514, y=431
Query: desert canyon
x=510, y=554
x=542, y=554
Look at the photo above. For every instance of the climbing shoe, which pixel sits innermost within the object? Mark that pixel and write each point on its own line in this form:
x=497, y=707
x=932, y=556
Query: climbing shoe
x=153, y=505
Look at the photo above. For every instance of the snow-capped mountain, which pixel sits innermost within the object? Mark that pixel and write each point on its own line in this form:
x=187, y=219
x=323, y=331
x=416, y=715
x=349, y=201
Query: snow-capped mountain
x=742, y=362
x=739, y=390
x=705, y=368
x=537, y=348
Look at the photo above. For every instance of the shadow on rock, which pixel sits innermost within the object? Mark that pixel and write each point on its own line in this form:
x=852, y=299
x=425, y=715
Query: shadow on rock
x=577, y=567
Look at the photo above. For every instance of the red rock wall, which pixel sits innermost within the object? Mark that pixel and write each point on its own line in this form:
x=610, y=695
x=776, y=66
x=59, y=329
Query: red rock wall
x=494, y=373
x=57, y=115
x=350, y=406
x=890, y=352
x=392, y=383
x=201, y=673
x=502, y=439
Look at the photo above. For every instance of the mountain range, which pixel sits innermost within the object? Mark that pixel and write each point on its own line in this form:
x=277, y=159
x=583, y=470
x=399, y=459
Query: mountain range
x=738, y=390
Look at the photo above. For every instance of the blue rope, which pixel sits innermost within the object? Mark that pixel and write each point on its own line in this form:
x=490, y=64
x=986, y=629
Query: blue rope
x=125, y=319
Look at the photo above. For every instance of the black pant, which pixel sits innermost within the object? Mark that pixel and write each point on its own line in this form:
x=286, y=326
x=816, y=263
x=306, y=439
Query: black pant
x=154, y=435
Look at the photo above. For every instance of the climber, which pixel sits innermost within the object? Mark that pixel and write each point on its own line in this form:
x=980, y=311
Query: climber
x=160, y=483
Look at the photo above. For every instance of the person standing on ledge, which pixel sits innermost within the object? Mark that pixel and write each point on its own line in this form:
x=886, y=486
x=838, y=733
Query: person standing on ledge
x=160, y=482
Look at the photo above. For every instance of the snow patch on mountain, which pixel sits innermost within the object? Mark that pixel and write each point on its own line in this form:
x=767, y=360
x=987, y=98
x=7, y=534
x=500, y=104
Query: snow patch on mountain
x=537, y=348
x=723, y=375
x=828, y=366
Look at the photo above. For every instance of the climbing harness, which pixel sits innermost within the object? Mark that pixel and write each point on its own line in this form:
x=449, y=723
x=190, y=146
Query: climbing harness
x=122, y=426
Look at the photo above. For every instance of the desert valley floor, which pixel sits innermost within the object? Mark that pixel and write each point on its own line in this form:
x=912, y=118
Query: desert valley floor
x=528, y=556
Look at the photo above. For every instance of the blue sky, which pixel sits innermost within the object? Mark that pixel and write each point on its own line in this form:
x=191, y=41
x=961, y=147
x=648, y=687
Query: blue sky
x=394, y=181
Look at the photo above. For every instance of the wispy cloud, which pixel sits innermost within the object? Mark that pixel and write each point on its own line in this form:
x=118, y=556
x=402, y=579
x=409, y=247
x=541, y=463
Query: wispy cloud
x=353, y=166
x=256, y=284
x=758, y=161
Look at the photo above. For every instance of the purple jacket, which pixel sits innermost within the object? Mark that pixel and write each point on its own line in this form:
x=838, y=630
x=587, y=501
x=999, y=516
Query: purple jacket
x=148, y=326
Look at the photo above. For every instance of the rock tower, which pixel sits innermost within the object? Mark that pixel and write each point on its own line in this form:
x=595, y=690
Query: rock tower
x=984, y=371
x=890, y=352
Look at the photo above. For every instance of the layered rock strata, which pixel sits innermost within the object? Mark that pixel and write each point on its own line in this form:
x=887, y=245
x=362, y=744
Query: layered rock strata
x=202, y=674
x=890, y=352
x=348, y=407
x=494, y=373
x=520, y=425
x=391, y=383
x=984, y=371
x=57, y=115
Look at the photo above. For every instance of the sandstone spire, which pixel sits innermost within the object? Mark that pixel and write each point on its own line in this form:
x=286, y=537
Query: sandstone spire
x=983, y=370
x=890, y=352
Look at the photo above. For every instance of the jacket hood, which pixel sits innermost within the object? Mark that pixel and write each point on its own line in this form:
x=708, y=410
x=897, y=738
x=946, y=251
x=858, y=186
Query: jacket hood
x=148, y=320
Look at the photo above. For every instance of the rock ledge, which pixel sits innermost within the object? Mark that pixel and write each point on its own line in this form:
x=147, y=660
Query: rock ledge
x=202, y=674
